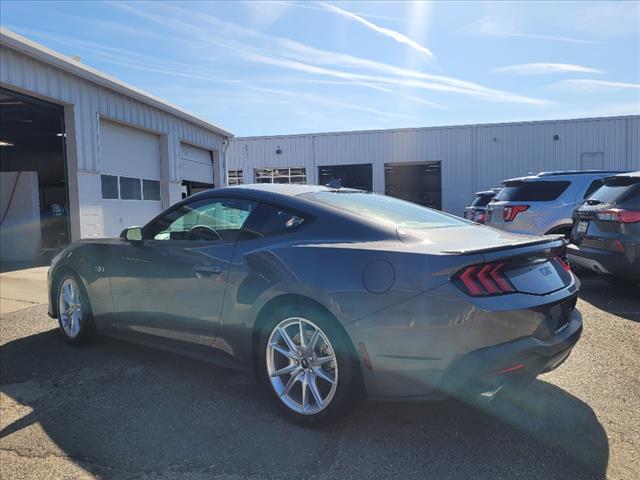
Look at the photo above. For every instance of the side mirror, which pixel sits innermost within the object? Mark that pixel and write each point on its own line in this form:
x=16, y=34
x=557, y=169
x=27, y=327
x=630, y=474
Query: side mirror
x=132, y=234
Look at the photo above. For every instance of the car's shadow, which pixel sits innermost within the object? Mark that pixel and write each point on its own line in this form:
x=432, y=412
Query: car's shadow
x=621, y=300
x=120, y=410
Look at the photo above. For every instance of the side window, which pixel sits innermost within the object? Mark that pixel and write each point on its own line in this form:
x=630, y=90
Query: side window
x=540, y=191
x=207, y=220
x=596, y=184
x=269, y=220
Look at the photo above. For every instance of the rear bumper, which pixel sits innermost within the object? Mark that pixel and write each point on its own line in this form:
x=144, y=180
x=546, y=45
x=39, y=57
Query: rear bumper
x=603, y=261
x=485, y=371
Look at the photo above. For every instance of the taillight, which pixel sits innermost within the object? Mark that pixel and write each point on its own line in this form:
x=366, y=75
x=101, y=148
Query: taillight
x=510, y=211
x=564, y=264
x=482, y=217
x=619, y=215
x=485, y=280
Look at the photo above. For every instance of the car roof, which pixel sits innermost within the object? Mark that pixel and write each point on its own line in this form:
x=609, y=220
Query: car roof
x=565, y=174
x=268, y=191
x=289, y=189
x=491, y=192
x=629, y=174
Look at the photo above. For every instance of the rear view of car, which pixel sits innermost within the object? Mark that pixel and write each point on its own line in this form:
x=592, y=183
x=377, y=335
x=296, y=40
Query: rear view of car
x=476, y=211
x=542, y=204
x=606, y=230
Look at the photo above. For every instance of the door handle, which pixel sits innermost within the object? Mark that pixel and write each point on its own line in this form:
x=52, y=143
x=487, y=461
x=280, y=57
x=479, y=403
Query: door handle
x=208, y=269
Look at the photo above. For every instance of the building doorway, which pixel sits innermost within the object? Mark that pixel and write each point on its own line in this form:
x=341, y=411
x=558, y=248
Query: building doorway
x=358, y=176
x=34, y=206
x=418, y=182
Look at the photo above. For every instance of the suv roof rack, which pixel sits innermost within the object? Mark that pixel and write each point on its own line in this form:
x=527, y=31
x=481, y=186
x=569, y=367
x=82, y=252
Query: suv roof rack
x=579, y=172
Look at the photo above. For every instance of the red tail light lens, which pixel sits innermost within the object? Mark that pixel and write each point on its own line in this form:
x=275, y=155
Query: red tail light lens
x=485, y=280
x=482, y=217
x=564, y=264
x=619, y=215
x=510, y=211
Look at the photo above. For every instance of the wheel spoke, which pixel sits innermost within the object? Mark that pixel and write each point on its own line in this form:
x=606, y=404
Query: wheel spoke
x=283, y=351
x=314, y=339
x=305, y=391
x=288, y=369
x=301, y=327
x=319, y=361
x=293, y=348
x=313, y=386
x=290, y=383
x=327, y=377
x=67, y=298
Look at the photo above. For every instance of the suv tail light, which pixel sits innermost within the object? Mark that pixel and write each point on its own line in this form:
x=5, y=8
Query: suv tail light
x=484, y=280
x=510, y=211
x=619, y=215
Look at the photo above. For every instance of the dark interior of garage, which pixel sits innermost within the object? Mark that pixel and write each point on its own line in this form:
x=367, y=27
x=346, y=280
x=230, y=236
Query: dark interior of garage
x=358, y=176
x=416, y=182
x=32, y=140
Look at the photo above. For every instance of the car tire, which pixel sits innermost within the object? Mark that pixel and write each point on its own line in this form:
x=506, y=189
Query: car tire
x=302, y=369
x=75, y=319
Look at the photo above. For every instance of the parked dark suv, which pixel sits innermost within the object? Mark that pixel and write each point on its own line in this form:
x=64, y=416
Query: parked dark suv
x=476, y=211
x=606, y=230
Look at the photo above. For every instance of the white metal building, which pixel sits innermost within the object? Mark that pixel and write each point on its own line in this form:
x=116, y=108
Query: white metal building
x=84, y=155
x=438, y=166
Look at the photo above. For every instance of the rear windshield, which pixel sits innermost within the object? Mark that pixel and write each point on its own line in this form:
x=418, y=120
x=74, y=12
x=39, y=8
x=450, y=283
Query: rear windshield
x=535, y=191
x=617, y=190
x=388, y=210
x=481, y=200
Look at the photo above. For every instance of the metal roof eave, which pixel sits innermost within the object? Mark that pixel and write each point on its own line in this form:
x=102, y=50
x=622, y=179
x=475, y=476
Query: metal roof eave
x=23, y=45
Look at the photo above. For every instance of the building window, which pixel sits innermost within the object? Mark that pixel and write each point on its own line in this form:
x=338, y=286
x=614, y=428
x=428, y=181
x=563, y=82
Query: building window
x=130, y=188
x=234, y=177
x=281, y=175
x=109, y=185
x=151, y=189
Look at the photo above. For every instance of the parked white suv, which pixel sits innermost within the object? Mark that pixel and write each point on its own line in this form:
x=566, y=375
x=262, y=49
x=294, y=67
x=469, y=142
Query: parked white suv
x=542, y=204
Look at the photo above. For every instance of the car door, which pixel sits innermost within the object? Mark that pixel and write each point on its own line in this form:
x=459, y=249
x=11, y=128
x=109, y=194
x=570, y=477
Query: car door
x=172, y=282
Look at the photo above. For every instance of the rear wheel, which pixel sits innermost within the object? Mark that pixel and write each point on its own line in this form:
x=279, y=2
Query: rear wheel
x=74, y=313
x=308, y=365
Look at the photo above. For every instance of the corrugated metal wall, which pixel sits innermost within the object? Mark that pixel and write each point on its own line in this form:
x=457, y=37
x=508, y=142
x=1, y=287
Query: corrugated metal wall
x=91, y=101
x=473, y=157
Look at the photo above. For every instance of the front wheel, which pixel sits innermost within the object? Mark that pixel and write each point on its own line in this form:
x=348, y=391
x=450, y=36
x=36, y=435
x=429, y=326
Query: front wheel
x=74, y=313
x=308, y=364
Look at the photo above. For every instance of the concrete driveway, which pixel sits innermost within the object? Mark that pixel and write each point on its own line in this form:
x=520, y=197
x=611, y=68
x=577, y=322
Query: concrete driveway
x=21, y=289
x=117, y=410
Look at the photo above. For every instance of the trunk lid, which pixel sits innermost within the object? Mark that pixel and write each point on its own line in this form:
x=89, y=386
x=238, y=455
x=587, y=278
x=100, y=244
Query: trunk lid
x=529, y=263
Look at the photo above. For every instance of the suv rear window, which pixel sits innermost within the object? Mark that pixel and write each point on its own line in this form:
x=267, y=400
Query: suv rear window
x=534, y=191
x=481, y=200
x=618, y=190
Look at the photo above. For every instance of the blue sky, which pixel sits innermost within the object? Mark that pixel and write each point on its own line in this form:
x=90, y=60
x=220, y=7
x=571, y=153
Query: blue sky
x=262, y=68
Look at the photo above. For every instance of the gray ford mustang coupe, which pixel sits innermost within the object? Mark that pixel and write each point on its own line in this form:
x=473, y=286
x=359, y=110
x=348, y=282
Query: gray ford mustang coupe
x=328, y=295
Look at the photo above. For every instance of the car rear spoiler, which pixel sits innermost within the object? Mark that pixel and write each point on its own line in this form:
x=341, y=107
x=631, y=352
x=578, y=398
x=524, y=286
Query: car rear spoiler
x=555, y=242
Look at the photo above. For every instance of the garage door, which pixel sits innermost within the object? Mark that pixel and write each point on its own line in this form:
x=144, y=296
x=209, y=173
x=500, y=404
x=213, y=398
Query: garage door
x=130, y=168
x=197, y=164
x=417, y=182
x=129, y=151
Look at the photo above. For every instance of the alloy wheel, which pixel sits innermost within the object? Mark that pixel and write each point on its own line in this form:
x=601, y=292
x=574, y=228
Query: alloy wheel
x=70, y=308
x=302, y=366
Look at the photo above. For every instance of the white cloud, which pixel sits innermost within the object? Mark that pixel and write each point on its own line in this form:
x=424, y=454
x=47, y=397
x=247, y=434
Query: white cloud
x=387, y=32
x=241, y=43
x=545, y=68
x=497, y=26
x=310, y=6
x=593, y=84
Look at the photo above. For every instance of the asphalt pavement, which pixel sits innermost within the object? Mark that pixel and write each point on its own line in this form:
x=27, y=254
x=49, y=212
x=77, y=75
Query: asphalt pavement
x=117, y=410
